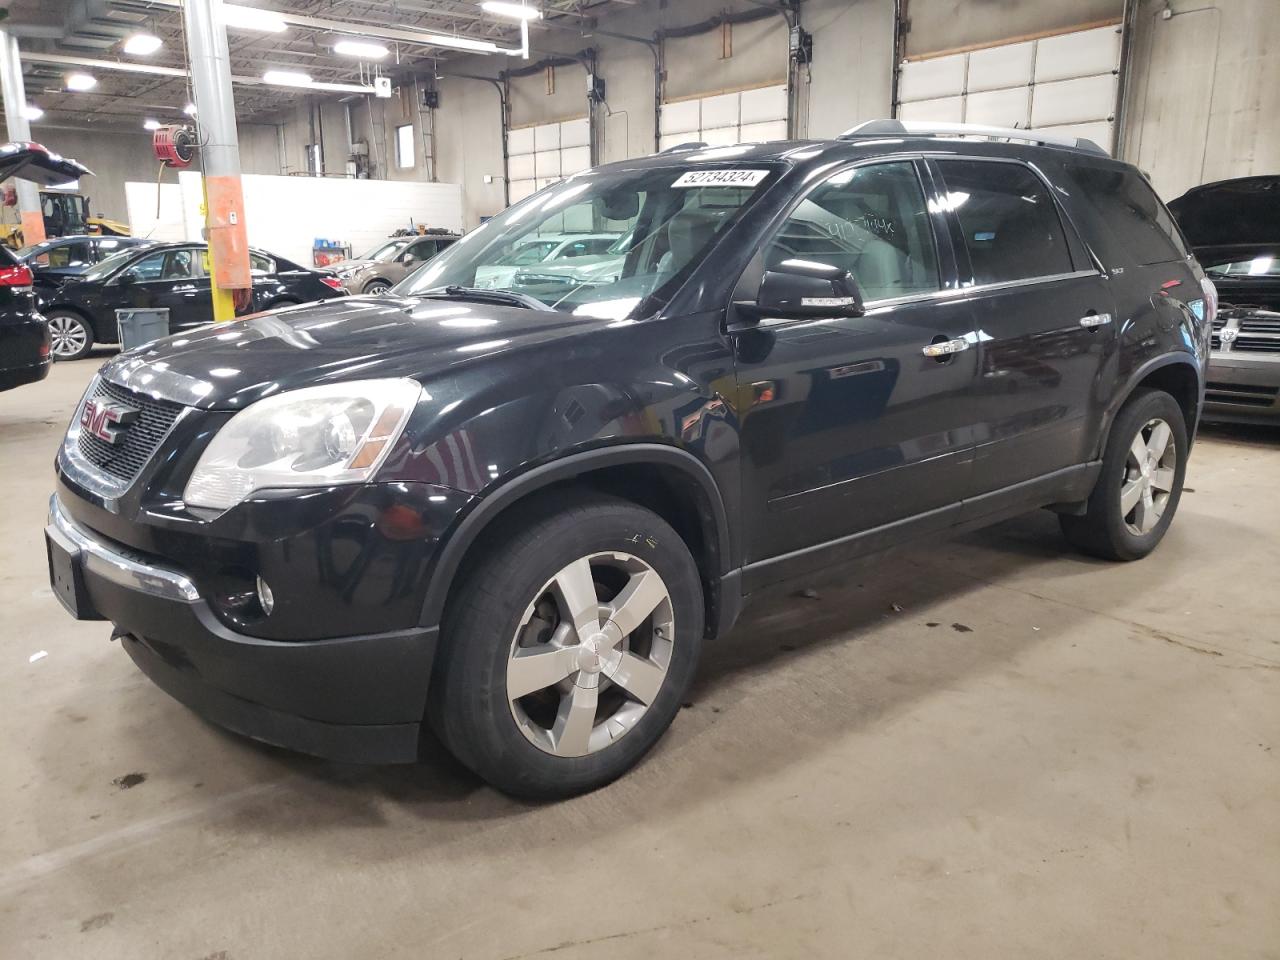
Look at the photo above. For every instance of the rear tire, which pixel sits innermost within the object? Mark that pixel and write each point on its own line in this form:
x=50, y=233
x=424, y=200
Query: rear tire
x=70, y=335
x=598, y=604
x=1138, y=490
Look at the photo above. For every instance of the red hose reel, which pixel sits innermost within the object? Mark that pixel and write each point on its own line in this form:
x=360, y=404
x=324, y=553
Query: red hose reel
x=174, y=146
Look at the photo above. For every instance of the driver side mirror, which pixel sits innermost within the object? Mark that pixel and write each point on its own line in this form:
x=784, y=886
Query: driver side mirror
x=796, y=289
x=127, y=278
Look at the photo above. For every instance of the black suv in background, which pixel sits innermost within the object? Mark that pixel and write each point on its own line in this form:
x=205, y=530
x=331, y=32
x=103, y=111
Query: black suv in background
x=515, y=513
x=175, y=276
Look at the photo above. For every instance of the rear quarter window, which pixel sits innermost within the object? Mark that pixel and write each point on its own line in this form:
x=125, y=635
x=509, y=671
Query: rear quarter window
x=1133, y=213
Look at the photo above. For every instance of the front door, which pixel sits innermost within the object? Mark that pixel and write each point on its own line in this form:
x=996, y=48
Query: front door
x=847, y=425
x=1045, y=321
x=172, y=279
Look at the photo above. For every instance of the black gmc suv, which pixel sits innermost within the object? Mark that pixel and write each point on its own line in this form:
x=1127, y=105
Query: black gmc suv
x=516, y=513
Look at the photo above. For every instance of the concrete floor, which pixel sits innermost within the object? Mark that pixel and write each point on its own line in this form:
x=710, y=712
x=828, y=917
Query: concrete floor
x=1037, y=756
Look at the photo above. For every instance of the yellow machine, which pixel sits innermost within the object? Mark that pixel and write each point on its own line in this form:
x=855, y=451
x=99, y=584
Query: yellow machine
x=65, y=214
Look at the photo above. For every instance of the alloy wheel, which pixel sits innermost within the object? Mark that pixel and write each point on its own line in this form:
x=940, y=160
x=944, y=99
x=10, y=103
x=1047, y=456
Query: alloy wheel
x=377, y=289
x=67, y=336
x=1149, y=471
x=591, y=654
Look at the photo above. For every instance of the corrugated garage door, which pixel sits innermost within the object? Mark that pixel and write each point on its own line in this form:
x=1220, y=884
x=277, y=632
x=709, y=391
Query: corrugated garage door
x=741, y=116
x=1065, y=83
x=542, y=154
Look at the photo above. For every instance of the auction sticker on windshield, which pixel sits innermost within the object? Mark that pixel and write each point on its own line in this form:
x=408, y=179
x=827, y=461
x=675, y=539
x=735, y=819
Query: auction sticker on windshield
x=720, y=178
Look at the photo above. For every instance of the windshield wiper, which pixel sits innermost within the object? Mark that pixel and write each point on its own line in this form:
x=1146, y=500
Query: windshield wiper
x=485, y=295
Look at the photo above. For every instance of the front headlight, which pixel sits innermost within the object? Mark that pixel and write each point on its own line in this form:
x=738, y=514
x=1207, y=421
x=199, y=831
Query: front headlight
x=313, y=437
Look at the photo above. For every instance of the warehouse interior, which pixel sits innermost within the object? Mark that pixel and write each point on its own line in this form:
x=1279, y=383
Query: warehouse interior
x=982, y=745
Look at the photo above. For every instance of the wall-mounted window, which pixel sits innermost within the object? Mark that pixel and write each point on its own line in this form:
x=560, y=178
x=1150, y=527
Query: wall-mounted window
x=404, y=146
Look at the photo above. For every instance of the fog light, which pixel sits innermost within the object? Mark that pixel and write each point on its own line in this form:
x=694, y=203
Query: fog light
x=265, y=598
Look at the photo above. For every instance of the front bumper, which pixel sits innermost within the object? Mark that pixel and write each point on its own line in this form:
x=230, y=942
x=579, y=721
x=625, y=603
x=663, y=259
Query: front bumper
x=1242, y=388
x=352, y=698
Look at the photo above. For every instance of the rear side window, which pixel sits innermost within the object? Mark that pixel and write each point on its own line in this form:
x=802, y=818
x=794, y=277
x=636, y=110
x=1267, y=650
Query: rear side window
x=1133, y=212
x=1010, y=225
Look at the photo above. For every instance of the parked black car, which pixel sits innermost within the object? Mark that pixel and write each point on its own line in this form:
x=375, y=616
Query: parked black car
x=53, y=261
x=1234, y=228
x=24, y=335
x=518, y=518
x=82, y=311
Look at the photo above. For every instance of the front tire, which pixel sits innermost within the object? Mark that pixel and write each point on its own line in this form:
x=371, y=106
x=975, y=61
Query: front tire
x=568, y=648
x=1140, y=485
x=376, y=288
x=70, y=336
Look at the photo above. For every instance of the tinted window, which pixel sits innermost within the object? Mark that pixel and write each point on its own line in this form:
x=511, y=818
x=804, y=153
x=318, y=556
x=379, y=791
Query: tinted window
x=871, y=221
x=1008, y=220
x=74, y=254
x=1133, y=212
x=419, y=250
x=258, y=264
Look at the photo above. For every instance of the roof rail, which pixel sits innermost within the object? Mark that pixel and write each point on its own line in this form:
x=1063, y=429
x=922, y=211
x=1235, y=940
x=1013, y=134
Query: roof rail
x=689, y=145
x=923, y=128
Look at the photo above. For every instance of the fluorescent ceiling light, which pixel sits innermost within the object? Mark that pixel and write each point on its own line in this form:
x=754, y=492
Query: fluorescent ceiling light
x=517, y=10
x=361, y=49
x=32, y=112
x=189, y=109
x=81, y=81
x=286, y=78
x=459, y=43
x=151, y=124
x=142, y=44
x=252, y=18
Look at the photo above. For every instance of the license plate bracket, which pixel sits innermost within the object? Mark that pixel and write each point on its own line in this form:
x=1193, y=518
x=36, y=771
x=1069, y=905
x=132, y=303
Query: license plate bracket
x=66, y=577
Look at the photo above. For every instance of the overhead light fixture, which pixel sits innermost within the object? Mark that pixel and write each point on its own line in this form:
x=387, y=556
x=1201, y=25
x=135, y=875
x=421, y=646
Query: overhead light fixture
x=361, y=49
x=460, y=43
x=252, y=18
x=189, y=109
x=516, y=10
x=81, y=81
x=152, y=124
x=142, y=44
x=32, y=112
x=286, y=78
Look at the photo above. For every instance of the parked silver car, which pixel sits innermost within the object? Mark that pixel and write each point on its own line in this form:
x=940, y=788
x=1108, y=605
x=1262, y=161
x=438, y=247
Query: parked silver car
x=387, y=264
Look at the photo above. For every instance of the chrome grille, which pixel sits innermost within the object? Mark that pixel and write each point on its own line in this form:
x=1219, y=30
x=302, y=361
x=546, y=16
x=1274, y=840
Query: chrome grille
x=125, y=460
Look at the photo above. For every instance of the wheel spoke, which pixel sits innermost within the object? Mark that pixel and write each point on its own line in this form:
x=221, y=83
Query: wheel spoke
x=1138, y=450
x=642, y=594
x=578, y=594
x=639, y=677
x=571, y=733
x=1130, y=494
x=537, y=668
x=1162, y=479
x=1159, y=441
x=1145, y=517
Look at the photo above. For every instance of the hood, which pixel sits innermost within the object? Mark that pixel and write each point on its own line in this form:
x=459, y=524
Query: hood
x=344, y=266
x=230, y=365
x=1231, y=219
x=34, y=162
x=579, y=268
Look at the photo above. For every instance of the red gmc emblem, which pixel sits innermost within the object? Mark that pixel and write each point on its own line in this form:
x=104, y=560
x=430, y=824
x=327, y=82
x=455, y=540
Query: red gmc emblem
x=106, y=420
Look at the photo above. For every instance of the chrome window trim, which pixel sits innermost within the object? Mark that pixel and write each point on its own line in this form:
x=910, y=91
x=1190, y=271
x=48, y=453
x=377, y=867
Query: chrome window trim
x=118, y=564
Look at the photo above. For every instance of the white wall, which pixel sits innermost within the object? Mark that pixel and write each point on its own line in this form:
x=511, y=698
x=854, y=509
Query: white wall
x=284, y=215
x=1204, y=98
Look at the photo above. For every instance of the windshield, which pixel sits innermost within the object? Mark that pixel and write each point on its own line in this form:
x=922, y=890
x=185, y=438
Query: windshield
x=386, y=249
x=1265, y=266
x=668, y=216
x=105, y=268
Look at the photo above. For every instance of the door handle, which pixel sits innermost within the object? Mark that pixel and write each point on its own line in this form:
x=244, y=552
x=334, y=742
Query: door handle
x=946, y=348
x=190, y=294
x=1095, y=320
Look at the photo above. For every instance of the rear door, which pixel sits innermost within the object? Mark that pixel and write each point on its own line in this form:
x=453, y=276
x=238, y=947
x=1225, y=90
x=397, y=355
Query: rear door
x=1045, y=323
x=846, y=424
